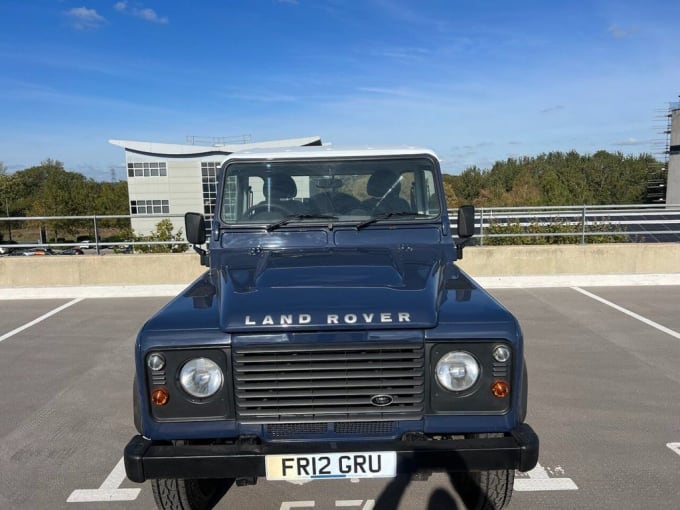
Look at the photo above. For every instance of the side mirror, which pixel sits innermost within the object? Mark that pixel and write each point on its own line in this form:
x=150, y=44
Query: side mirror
x=194, y=224
x=466, y=221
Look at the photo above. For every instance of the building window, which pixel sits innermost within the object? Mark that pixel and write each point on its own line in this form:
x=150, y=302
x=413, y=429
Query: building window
x=149, y=207
x=152, y=169
x=209, y=171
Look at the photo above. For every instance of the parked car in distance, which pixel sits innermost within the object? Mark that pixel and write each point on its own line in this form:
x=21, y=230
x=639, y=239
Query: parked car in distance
x=38, y=251
x=86, y=242
x=5, y=247
x=71, y=251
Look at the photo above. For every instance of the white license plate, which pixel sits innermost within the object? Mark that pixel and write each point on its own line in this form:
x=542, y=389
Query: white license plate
x=331, y=465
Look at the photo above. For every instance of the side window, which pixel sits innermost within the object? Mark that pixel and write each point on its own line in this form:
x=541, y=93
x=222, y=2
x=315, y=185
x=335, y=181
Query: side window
x=408, y=187
x=229, y=199
x=431, y=201
x=255, y=185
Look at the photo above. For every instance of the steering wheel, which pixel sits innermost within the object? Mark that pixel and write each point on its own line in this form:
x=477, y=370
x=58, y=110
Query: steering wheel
x=264, y=208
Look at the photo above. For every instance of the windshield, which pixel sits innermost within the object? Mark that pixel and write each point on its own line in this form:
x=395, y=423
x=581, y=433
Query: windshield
x=326, y=190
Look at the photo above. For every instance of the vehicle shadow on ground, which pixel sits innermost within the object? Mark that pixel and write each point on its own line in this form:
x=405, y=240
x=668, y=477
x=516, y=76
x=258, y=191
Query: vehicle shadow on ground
x=463, y=487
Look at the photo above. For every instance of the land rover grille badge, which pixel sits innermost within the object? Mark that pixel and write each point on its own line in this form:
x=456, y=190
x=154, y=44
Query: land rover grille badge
x=382, y=400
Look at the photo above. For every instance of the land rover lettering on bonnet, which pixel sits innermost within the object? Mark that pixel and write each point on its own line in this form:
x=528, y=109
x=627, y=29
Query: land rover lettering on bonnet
x=290, y=319
x=332, y=336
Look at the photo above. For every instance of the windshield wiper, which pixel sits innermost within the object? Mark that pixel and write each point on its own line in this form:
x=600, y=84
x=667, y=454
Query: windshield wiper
x=296, y=217
x=384, y=216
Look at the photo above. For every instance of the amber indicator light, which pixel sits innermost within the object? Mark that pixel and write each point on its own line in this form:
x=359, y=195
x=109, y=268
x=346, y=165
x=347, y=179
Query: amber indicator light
x=500, y=389
x=160, y=397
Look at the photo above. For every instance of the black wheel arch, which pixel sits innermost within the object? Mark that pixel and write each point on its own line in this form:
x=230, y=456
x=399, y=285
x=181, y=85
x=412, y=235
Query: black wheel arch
x=523, y=400
x=136, y=408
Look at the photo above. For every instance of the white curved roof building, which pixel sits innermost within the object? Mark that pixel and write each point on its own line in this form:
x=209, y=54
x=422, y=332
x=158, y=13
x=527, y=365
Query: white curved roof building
x=171, y=179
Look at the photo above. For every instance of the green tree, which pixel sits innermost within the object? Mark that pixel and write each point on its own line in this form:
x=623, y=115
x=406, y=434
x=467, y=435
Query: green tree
x=163, y=232
x=62, y=193
x=8, y=197
x=111, y=198
x=469, y=184
x=557, y=178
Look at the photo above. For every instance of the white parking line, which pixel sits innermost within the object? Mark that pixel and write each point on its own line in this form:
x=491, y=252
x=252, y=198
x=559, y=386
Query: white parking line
x=656, y=325
x=39, y=319
x=355, y=503
x=288, y=505
x=539, y=480
x=108, y=491
x=675, y=447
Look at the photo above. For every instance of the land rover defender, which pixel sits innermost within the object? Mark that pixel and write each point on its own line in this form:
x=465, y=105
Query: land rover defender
x=332, y=336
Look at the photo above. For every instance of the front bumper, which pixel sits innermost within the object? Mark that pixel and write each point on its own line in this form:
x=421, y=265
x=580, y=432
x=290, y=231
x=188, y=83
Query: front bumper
x=146, y=459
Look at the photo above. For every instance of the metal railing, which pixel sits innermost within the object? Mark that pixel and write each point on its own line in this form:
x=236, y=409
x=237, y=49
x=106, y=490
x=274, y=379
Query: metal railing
x=578, y=224
x=37, y=225
x=494, y=225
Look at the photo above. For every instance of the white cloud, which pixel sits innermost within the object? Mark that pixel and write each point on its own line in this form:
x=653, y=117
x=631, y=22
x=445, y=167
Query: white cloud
x=144, y=13
x=84, y=18
x=150, y=15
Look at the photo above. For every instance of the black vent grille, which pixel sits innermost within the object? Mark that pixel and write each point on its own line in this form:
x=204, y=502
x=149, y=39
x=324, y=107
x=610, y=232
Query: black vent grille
x=365, y=428
x=500, y=369
x=359, y=428
x=158, y=378
x=328, y=383
x=293, y=429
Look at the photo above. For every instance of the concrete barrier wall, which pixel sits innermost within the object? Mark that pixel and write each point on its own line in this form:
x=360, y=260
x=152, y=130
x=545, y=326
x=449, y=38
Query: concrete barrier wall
x=572, y=259
x=150, y=269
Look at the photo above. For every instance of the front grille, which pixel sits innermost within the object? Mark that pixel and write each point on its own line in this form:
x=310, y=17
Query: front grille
x=357, y=428
x=328, y=383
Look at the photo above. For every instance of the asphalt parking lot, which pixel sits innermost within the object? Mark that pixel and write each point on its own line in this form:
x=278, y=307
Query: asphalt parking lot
x=604, y=367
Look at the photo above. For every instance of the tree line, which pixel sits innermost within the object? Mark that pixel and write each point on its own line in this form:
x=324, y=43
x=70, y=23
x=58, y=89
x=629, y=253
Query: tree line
x=555, y=178
x=48, y=189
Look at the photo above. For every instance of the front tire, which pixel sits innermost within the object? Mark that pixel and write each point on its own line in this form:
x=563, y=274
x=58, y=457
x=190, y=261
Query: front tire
x=180, y=494
x=485, y=490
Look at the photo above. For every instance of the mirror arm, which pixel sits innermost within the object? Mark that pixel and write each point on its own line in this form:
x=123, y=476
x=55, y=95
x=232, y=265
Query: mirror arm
x=459, y=248
x=203, y=253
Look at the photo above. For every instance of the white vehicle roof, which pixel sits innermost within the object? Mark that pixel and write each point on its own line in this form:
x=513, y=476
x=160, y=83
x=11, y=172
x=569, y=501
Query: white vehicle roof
x=330, y=151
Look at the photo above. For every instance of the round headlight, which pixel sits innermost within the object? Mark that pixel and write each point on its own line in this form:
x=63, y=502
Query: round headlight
x=201, y=377
x=457, y=371
x=156, y=362
x=501, y=353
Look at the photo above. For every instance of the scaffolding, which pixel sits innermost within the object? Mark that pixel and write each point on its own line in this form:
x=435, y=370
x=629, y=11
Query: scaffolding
x=657, y=183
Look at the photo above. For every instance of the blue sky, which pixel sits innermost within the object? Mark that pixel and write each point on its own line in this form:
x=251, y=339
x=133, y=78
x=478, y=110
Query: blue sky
x=475, y=80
